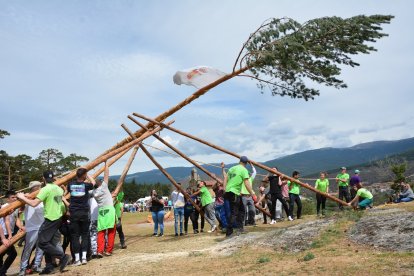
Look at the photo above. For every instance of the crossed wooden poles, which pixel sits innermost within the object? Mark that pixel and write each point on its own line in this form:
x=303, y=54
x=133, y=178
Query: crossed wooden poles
x=153, y=126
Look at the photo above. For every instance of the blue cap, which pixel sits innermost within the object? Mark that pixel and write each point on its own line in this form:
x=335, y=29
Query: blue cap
x=244, y=159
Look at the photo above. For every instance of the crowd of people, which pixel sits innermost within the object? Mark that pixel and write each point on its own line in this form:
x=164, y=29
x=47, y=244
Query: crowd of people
x=85, y=213
x=88, y=215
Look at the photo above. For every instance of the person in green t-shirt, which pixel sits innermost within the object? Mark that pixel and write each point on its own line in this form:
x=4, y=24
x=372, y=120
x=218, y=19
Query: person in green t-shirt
x=207, y=204
x=322, y=185
x=294, y=191
x=119, y=210
x=343, y=190
x=363, y=197
x=49, y=236
x=235, y=177
x=248, y=202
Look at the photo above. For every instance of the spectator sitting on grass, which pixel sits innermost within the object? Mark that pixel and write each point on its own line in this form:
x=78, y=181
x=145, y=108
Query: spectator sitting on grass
x=406, y=194
x=363, y=194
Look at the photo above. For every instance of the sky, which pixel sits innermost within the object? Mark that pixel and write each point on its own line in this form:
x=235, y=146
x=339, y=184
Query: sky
x=71, y=72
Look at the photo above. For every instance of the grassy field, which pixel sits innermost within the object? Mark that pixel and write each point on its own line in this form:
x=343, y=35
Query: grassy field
x=330, y=254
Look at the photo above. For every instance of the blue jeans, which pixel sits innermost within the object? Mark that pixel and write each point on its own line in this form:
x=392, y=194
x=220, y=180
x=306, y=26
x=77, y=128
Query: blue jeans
x=365, y=203
x=221, y=215
x=158, y=218
x=403, y=199
x=178, y=214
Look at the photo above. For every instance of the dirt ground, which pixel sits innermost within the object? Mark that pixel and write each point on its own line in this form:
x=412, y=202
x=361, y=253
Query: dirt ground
x=308, y=246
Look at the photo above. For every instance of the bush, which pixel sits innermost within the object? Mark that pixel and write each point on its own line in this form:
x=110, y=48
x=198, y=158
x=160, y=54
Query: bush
x=309, y=256
x=308, y=206
x=263, y=260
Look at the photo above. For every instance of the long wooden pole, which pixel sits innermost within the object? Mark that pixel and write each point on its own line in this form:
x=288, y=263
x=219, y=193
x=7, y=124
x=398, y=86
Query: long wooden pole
x=125, y=172
x=193, y=162
x=19, y=235
x=238, y=156
x=17, y=204
x=171, y=179
x=183, y=103
x=186, y=195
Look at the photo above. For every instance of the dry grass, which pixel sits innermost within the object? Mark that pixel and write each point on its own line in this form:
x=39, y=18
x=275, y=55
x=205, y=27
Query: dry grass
x=333, y=254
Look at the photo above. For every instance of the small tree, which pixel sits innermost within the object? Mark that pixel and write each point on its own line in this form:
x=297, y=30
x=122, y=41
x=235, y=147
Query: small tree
x=3, y=133
x=399, y=171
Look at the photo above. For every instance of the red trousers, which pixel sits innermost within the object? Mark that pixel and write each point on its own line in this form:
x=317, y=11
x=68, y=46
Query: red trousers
x=111, y=240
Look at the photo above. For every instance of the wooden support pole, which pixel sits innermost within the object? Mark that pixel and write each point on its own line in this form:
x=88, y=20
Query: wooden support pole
x=19, y=235
x=125, y=172
x=195, y=163
x=171, y=179
x=238, y=156
x=17, y=204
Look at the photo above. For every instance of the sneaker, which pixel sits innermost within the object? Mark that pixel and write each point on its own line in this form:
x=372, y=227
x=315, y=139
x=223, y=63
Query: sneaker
x=273, y=221
x=160, y=234
x=154, y=235
x=99, y=255
x=290, y=218
x=186, y=233
x=77, y=263
x=22, y=273
x=108, y=254
x=84, y=261
x=176, y=234
x=213, y=229
x=202, y=230
x=195, y=231
x=123, y=246
x=181, y=234
x=64, y=262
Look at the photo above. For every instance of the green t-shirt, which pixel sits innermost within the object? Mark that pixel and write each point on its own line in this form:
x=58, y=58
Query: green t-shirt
x=205, y=196
x=321, y=185
x=53, y=207
x=118, y=205
x=244, y=190
x=343, y=176
x=296, y=188
x=364, y=193
x=235, y=177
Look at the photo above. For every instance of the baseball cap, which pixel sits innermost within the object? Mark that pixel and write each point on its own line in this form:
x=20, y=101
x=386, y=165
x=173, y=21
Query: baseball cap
x=48, y=175
x=34, y=184
x=343, y=168
x=356, y=171
x=244, y=159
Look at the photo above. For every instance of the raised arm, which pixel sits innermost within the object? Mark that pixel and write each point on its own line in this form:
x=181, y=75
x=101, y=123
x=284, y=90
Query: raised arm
x=106, y=173
x=32, y=202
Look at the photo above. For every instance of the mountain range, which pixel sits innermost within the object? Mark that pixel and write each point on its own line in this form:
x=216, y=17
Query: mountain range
x=308, y=162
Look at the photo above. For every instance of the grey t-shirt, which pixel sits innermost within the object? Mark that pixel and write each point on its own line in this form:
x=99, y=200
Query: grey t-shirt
x=102, y=195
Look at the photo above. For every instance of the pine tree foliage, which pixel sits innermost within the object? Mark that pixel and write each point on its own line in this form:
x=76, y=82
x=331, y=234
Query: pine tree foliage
x=285, y=56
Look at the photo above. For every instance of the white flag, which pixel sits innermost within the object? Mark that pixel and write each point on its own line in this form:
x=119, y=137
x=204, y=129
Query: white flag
x=198, y=77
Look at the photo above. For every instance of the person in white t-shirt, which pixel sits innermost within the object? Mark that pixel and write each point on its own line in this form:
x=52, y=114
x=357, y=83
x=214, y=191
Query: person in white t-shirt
x=6, y=231
x=34, y=217
x=93, y=228
x=178, y=203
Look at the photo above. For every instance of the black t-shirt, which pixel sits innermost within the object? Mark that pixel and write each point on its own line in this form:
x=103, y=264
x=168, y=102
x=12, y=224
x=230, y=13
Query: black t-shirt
x=79, y=196
x=156, y=205
x=275, y=188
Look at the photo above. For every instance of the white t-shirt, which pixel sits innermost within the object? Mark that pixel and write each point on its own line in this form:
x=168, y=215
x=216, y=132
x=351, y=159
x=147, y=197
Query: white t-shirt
x=94, y=208
x=33, y=217
x=103, y=196
x=13, y=216
x=177, y=199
